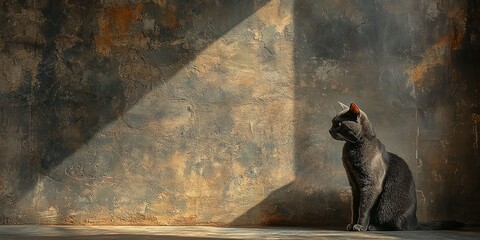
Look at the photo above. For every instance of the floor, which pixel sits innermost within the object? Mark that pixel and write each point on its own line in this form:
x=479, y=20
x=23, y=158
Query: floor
x=192, y=233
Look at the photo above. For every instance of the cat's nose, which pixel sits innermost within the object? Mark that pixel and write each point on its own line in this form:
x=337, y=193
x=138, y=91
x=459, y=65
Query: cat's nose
x=330, y=130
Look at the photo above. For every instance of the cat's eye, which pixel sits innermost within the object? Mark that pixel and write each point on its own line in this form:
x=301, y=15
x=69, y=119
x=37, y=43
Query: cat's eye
x=339, y=124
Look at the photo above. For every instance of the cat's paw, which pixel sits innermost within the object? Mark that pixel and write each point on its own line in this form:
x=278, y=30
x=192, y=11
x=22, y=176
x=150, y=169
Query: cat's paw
x=358, y=227
x=350, y=226
x=372, y=228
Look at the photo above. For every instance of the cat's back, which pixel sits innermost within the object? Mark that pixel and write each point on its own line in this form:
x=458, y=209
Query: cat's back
x=398, y=169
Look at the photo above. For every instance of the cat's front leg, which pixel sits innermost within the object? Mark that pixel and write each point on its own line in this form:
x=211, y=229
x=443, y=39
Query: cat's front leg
x=350, y=226
x=368, y=197
x=359, y=227
x=355, y=227
x=355, y=210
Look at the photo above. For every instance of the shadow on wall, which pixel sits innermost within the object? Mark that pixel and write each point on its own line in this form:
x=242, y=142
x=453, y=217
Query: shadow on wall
x=294, y=205
x=449, y=129
x=346, y=51
x=330, y=65
x=76, y=79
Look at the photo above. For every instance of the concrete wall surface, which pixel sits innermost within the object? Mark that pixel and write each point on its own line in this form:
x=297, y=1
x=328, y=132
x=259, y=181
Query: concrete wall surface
x=170, y=112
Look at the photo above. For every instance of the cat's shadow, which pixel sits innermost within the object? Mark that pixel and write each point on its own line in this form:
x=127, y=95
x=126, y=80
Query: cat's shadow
x=292, y=205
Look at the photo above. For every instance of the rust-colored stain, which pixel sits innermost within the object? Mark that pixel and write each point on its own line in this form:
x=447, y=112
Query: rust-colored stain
x=104, y=39
x=161, y=3
x=169, y=19
x=436, y=55
x=114, y=25
x=121, y=18
x=476, y=119
x=456, y=38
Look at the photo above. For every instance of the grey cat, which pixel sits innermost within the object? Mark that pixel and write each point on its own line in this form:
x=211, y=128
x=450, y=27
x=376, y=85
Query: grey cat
x=383, y=190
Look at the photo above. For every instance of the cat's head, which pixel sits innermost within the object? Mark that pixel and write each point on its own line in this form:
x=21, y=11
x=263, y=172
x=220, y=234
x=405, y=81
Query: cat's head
x=351, y=125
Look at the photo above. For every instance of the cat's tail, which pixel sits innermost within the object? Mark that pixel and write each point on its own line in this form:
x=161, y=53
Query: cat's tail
x=440, y=225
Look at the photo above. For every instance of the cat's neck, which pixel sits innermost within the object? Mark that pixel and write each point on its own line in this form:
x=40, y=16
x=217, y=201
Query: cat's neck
x=364, y=141
x=367, y=128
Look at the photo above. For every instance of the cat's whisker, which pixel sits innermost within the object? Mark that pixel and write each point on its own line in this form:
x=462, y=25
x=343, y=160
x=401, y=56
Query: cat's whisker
x=329, y=141
x=334, y=111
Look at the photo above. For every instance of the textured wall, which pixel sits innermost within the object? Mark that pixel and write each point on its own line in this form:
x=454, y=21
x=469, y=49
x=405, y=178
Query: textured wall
x=410, y=65
x=216, y=112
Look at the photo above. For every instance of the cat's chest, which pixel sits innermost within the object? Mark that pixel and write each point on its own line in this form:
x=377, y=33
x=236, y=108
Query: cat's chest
x=361, y=161
x=357, y=156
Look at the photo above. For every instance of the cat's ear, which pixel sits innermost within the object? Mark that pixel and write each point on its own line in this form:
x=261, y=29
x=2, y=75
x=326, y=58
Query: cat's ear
x=343, y=106
x=354, y=109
